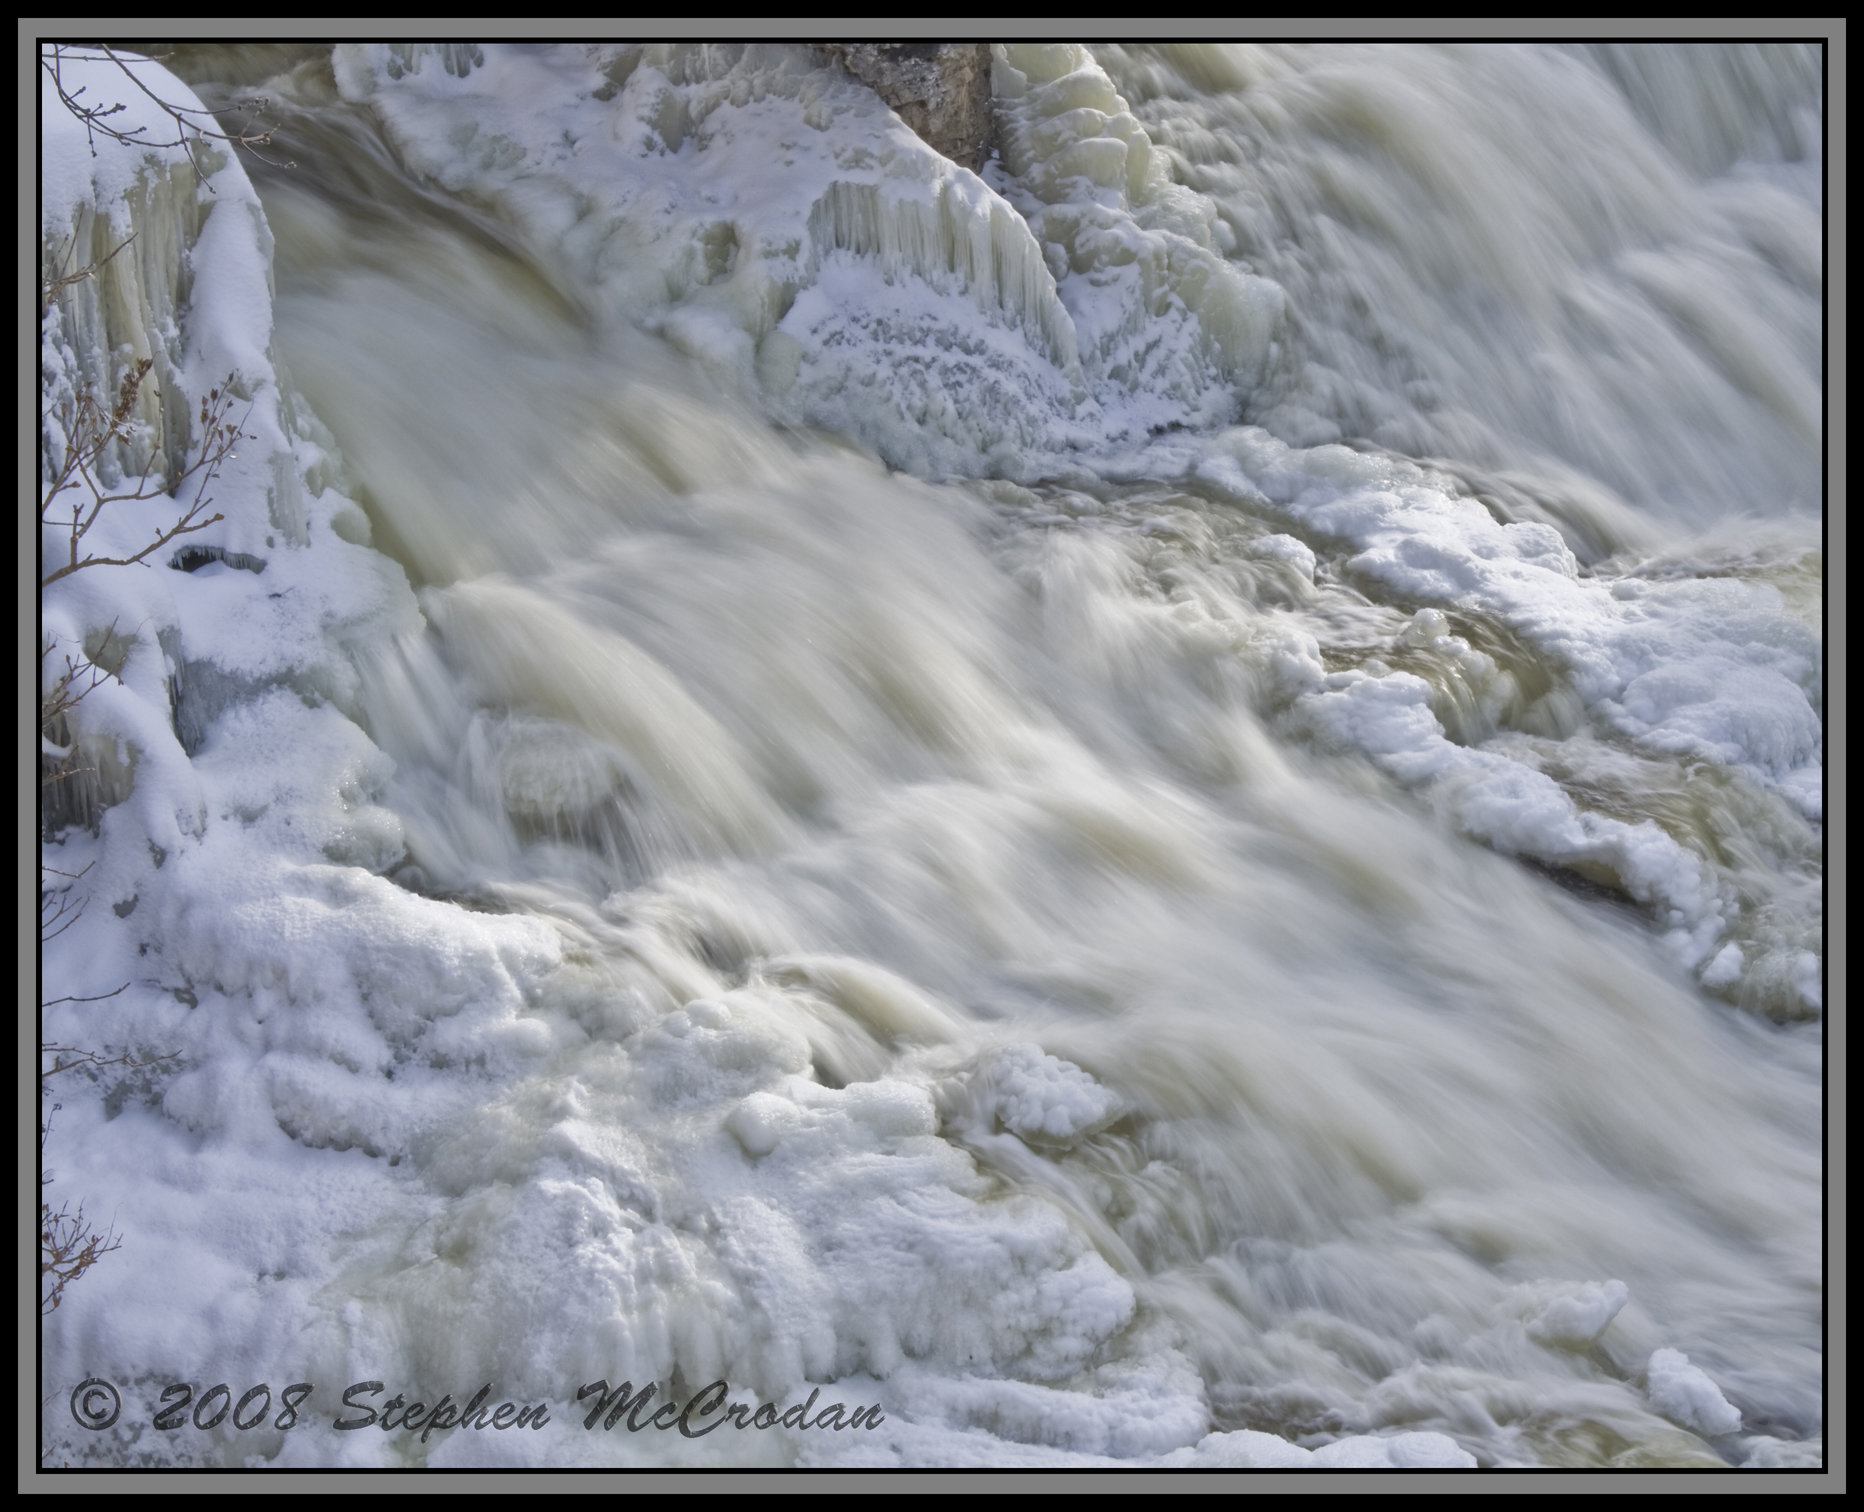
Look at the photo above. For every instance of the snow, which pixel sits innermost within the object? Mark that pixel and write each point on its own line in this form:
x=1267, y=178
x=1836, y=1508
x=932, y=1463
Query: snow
x=706, y=194
x=1248, y=1450
x=1037, y=1095
x=1702, y=669
x=1578, y=1318
x=780, y=225
x=1685, y=1394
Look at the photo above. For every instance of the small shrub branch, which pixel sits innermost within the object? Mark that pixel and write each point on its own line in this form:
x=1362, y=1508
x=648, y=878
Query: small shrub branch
x=190, y=132
x=91, y=431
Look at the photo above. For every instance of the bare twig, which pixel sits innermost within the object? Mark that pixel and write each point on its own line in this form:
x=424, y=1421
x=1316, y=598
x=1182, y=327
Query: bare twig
x=68, y=1247
x=56, y=914
x=190, y=131
x=50, y=286
x=101, y=997
x=67, y=691
x=91, y=1057
x=91, y=431
x=68, y=1244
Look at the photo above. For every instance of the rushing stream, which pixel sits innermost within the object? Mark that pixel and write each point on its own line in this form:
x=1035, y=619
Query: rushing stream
x=1175, y=790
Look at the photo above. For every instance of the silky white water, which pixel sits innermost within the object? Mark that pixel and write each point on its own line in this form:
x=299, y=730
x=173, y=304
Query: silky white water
x=1167, y=796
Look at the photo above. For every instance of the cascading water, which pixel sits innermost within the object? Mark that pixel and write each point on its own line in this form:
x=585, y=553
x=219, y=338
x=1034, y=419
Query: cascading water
x=1159, y=808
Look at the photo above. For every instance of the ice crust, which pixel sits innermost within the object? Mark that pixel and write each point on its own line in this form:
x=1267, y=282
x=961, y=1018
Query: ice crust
x=1247, y=1450
x=769, y=216
x=1711, y=670
x=1581, y=1315
x=194, y=292
x=1684, y=1393
x=1037, y=1096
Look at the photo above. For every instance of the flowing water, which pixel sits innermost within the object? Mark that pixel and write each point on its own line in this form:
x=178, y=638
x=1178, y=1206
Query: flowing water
x=1221, y=833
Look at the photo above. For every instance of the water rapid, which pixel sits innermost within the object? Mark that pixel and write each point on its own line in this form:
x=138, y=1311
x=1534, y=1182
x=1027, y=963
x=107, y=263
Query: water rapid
x=1218, y=831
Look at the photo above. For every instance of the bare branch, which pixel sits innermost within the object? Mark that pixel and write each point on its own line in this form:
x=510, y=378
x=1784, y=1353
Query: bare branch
x=66, y=692
x=91, y=431
x=101, y=997
x=68, y=1247
x=50, y=287
x=91, y=1057
x=190, y=132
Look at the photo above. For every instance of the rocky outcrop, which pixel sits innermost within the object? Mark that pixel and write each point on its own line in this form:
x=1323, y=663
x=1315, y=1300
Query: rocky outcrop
x=940, y=89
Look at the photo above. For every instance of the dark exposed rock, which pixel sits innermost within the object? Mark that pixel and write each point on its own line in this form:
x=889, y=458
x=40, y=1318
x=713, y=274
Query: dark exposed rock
x=193, y=558
x=940, y=89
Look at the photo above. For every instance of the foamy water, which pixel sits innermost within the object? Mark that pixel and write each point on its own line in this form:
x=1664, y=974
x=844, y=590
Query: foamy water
x=1161, y=807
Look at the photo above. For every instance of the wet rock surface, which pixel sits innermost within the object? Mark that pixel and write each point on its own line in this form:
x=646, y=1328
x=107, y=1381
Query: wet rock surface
x=940, y=89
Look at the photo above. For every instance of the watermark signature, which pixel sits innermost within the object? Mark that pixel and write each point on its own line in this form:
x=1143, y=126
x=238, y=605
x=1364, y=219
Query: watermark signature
x=97, y=1404
x=711, y=1399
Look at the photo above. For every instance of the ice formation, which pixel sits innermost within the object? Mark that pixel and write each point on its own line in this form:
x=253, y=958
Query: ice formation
x=1577, y=1318
x=1705, y=670
x=1679, y=1390
x=849, y=273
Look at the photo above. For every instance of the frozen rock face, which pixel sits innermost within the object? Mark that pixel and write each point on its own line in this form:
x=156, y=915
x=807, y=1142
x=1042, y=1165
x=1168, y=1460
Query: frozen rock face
x=770, y=218
x=763, y=212
x=180, y=258
x=940, y=89
x=134, y=232
x=1168, y=331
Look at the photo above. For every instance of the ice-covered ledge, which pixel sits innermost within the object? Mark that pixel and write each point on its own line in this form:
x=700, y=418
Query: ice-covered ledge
x=940, y=89
x=181, y=277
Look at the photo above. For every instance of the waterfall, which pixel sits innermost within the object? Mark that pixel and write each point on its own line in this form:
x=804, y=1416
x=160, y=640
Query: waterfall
x=1157, y=807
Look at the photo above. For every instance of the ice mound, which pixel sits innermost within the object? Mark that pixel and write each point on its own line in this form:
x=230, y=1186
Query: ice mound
x=1579, y=1317
x=1515, y=809
x=188, y=633
x=1041, y=1097
x=704, y=191
x=769, y=216
x=1710, y=667
x=1682, y=1393
x=1249, y=1450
